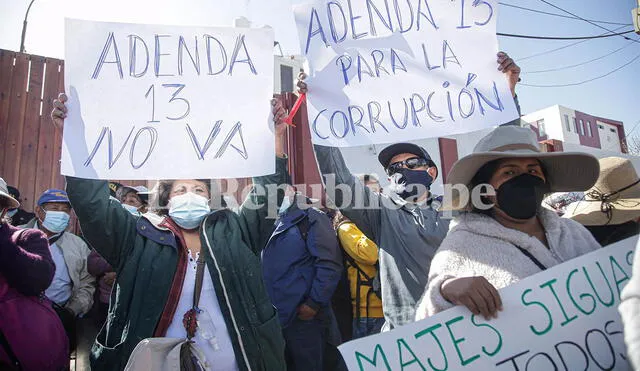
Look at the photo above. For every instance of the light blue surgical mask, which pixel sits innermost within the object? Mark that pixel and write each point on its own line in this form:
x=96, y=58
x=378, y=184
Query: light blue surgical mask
x=56, y=221
x=12, y=212
x=188, y=210
x=132, y=209
x=286, y=203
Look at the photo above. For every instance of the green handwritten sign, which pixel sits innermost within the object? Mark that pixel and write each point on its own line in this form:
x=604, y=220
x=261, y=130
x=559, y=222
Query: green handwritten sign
x=565, y=318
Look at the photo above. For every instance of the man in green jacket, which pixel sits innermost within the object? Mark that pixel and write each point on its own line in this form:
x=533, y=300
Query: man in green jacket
x=150, y=254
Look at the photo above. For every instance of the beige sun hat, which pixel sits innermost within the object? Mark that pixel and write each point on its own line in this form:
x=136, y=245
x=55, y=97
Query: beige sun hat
x=614, y=199
x=564, y=171
x=4, y=193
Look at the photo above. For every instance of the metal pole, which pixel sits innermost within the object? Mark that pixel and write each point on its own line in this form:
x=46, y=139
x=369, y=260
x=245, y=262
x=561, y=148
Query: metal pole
x=24, y=27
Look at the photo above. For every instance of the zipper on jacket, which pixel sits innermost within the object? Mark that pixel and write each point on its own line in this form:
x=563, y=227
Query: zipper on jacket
x=224, y=291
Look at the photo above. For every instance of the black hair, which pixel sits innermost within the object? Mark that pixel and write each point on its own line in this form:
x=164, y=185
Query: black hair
x=161, y=197
x=483, y=176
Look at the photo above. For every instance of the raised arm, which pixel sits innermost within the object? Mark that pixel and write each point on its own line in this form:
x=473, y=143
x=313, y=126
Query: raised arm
x=106, y=225
x=348, y=193
x=264, y=194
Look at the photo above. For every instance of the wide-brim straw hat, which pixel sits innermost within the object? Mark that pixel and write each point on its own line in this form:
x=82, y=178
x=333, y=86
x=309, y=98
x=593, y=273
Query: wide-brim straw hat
x=614, y=199
x=4, y=193
x=564, y=171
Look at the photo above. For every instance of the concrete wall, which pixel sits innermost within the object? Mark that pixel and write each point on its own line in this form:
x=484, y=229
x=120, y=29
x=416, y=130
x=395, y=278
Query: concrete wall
x=609, y=138
x=552, y=122
x=570, y=136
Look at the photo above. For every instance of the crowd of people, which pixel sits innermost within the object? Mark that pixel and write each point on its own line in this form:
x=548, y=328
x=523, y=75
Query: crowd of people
x=182, y=286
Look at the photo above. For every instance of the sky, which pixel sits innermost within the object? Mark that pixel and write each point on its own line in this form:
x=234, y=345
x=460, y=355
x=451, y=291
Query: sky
x=616, y=96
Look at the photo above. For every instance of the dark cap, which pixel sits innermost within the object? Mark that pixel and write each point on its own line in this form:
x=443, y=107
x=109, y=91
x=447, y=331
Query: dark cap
x=14, y=192
x=388, y=153
x=53, y=195
x=113, y=188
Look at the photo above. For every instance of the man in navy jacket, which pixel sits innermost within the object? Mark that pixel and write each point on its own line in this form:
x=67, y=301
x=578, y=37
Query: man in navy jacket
x=302, y=264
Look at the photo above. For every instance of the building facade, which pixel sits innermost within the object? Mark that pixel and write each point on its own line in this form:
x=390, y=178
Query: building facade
x=577, y=129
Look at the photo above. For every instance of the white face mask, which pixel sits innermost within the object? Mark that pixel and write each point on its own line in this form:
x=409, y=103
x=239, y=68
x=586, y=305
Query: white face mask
x=56, y=221
x=132, y=209
x=188, y=210
x=286, y=203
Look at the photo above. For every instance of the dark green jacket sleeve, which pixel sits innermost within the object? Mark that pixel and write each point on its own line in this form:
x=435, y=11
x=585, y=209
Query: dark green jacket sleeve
x=105, y=224
x=260, y=208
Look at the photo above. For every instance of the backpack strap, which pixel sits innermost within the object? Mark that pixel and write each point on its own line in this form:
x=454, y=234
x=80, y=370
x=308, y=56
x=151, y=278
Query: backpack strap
x=367, y=281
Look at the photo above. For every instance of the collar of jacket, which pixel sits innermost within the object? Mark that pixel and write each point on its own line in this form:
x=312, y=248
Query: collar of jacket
x=487, y=226
x=158, y=229
x=291, y=217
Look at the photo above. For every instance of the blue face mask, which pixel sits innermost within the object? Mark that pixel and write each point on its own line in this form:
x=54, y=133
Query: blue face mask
x=188, y=210
x=12, y=212
x=56, y=221
x=132, y=209
x=286, y=203
x=411, y=184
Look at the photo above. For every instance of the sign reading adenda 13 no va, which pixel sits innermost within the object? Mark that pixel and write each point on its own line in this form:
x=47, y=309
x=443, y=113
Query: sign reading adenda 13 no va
x=390, y=70
x=167, y=102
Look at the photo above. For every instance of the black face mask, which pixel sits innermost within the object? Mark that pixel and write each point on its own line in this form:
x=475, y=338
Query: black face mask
x=411, y=178
x=521, y=196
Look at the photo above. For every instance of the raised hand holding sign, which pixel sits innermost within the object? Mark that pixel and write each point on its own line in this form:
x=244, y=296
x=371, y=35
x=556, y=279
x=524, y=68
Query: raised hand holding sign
x=154, y=102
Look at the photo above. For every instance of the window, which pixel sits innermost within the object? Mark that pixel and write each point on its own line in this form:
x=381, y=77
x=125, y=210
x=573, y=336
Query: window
x=286, y=78
x=601, y=127
x=541, y=129
x=613, y=130
x=566, y=123
x=575, y=124
x=589, y=129
x=581, y=127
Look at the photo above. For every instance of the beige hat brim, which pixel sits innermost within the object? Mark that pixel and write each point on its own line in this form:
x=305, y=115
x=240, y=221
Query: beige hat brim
x=588, y=212
x=13, y=203
x=564, y=171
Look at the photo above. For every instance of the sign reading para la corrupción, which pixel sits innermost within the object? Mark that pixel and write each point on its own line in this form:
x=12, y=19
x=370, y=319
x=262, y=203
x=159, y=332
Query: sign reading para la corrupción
x=565, y=318
x=167, y=102
x=384, y=71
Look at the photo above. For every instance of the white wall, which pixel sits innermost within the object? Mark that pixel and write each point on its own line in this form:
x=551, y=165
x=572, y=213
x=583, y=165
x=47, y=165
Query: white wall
x=609, y=141
x=553, y=124
x=294, y=62
x=570, y=136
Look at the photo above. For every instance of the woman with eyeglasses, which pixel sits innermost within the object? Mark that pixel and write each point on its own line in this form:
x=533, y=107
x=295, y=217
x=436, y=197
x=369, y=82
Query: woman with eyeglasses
x=506, y=235
x=185, y=270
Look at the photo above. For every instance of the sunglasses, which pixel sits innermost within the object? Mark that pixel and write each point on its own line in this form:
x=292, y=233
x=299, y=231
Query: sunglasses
x=410, y=163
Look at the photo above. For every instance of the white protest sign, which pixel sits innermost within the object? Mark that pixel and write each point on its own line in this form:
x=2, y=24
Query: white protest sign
x=167, y=102
x=564, y=318
x=385, y=71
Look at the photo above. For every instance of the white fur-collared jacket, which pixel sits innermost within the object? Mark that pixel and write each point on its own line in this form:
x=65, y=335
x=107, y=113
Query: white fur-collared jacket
x=477, y=245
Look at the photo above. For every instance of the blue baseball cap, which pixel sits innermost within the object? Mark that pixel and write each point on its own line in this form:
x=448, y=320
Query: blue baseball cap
x=53, y=195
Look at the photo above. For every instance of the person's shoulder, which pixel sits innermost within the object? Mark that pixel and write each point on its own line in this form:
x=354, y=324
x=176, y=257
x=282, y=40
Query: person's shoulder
x=27, y=234
x=72, y=239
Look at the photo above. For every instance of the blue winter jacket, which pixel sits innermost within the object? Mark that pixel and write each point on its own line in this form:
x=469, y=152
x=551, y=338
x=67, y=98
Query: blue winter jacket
x=296, y=272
